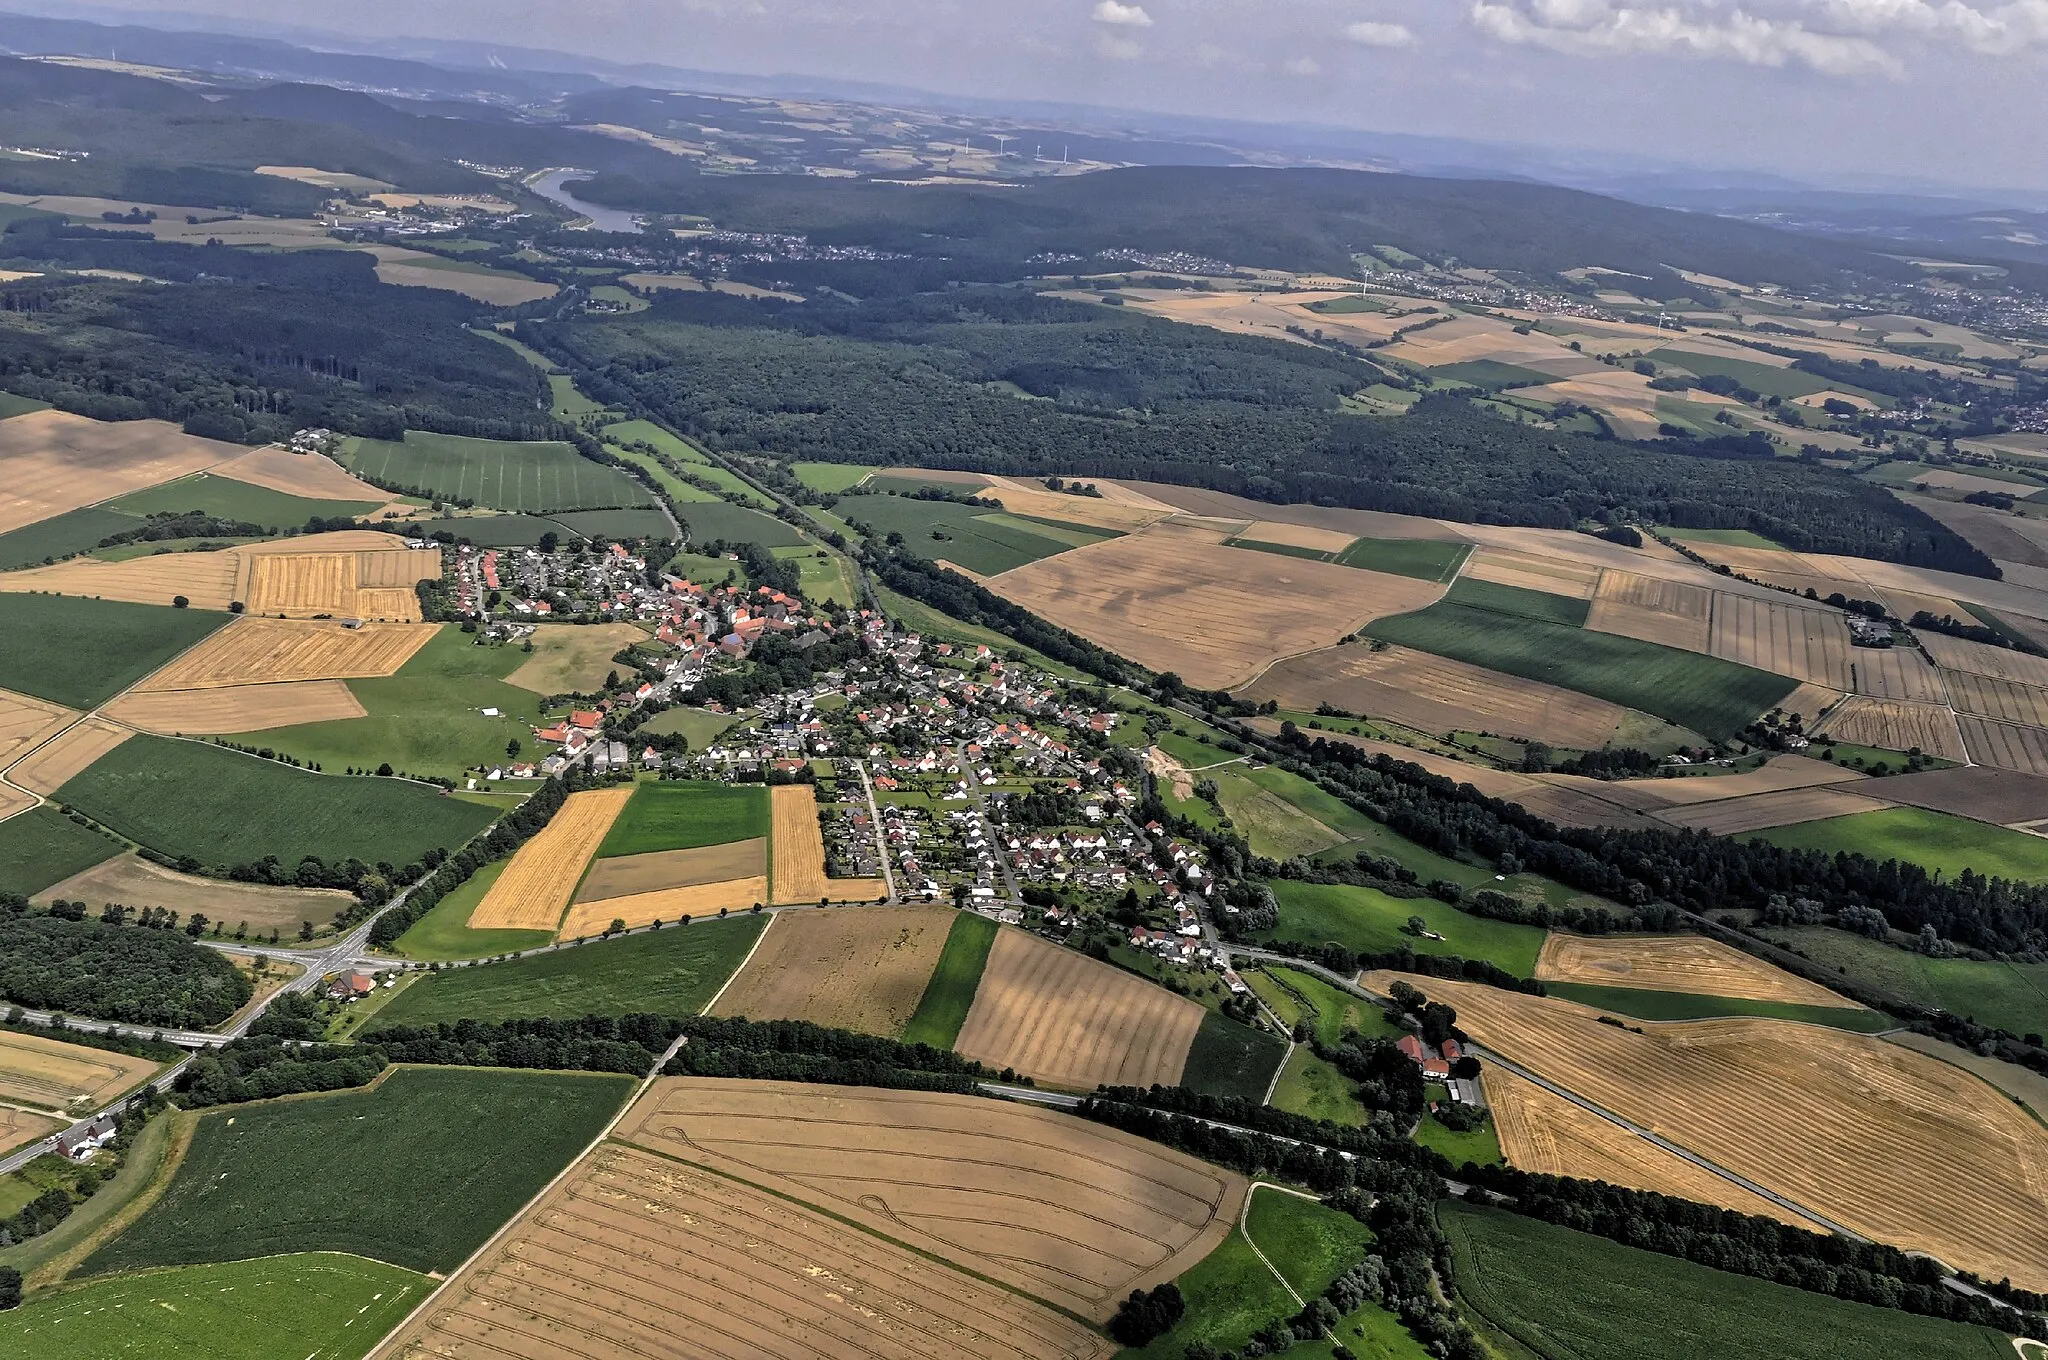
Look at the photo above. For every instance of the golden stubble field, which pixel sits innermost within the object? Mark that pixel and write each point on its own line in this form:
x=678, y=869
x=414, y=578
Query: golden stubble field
x=1888, y=1142
x=1653, y=610
x=352, y=574
x=52, y=461
x=857, y=968
x=537, y=884
x=1896, y=726
x=57, y=1076
x=50, y=767
x=253, y=651
x=1065, y=1019
x=24, y=721
x=235, y=708
x=136, y=882
x=1676, y=963
x=797, y=868
x=312, y=475
x=664, y=904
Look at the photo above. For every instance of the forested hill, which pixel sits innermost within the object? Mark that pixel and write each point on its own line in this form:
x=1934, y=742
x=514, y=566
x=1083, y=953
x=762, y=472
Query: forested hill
x=1008, y=381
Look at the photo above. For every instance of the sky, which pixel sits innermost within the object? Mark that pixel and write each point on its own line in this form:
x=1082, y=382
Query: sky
x=1951, y=91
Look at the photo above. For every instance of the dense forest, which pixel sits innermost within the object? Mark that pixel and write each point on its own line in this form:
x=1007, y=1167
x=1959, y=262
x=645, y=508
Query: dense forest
x=1010, y=381
x=132, y=974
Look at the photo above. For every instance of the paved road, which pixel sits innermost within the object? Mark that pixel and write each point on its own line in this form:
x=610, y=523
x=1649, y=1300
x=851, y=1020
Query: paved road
x=875, y=822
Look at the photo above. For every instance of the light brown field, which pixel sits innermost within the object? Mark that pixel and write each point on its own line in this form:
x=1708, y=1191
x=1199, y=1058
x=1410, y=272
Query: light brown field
x=1810, y=701
x=1653, y=610
x=537, y=884
x=1810, y=645
x=1436, y=694
x=1507, y=567
x=1096, y=513
x=857, y=968
x=1066, y=1210
x=666, y=904
x=1982, y=792
x=659, y=870
x=1896, y=673
x=1676, y=963
x=1199, y=501
x=235, y=708
x=1213, y=615
x=1298, y=536
x=135, y=882
x=1906, y=604
x=207, y=579
x=339, y=180
x=13, y=800
x=24, y=721
x=1546, y=1134
x=57, y=1076
x=416, y=269
x=1987, y=697
x=52, y=461
x=2008, y=747
x=1777, y=774
x=1062, y=1018
x=797, y=867
x=1882, y=1140
x=1865, y=577
x=19, y=1126
x=1981, y=658
x=1760, y=811
x=312, y=475
x=253, y=650
x=572, y=659
x=489, y=203
x=1896, y=726
x=50, y=767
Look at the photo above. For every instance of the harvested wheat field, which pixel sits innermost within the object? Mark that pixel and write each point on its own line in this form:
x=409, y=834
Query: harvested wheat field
x=1676, y=963
x=1532, y=571
x=538, y=883
x=235, y=708
x=57, y=1076
x=2005, y=746
x=136, y=882
x=1896, y=673
x=52, y=461
x=1810, y=701
x=1887, y=1142
x=1205, y=611
x=1062, y=1018
x=1761, y=811
x=1203, y=503
x=1066, y=1210
x=633, y=1254
x=1774, y=775
x=1807, y=644
x=666, y=904
x=404, y=268
x=573, y=659
x=312, y=475
x=1544, y=1133
x=207, y=579
x=50, y=767
x=1653, y=610
x=1989, y=697
x=1981, y=658
x=1895, y=726
x=25, y=721
x=797, y=867
x=1436, y=694
x=19, y=1126
x=1330, y=541
x=658, y=870
x=253, y=651
x=857, y=968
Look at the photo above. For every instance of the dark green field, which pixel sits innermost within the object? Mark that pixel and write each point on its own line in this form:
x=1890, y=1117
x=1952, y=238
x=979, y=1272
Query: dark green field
x=497, y=531
x=10, y=404
x=1229, y=1059
x=500, y=474
x=1761, y=378
x=417, y=1172
x=1425, y=559
x=83, y=652
x=1642, y=1004
x=74, y=531
x=617, y=524
x=950, y=993
x=1569, y=1296
x=42, y=846
x=981, y=540
x=708, y=521
x=1491, y=374
x=1517, y=602
x=224, y=808
x=667, y=972
x=683, y=814
x=230, y=499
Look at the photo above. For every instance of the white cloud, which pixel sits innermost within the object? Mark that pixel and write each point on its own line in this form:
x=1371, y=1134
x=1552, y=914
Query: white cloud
x=1124, y=16
x=1374, y=34
x=1699, y=28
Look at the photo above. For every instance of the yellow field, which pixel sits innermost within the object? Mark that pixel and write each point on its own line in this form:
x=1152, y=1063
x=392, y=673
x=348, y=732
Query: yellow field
x=235, y=708
x=1807, y=644
x=25, y=721
x=538, y=883
x=1298, y=536
x=48, y=769
x=1810, y=701
x=1653, y=610
x=1676, y=963
x=1989, y=697
x=58, y=1076
x=416, y=269
x=1532, y=571
x=798, y=864
x=207, y=579
x=312, y=475
x=254, y=650
x=52, y=461
x=1896, y=726
x=2005, y=746
x=345, y=584
x=666, y=904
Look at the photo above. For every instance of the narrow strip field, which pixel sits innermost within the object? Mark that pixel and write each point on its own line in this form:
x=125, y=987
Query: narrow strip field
x=236, y=708
x=536, y=887
x=664, y=904
x=798, y=865
x=857, y=968
x=950, y=993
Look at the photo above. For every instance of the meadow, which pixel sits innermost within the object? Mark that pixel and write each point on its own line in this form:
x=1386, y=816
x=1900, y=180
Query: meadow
x=628, y=523
x=2007, y=996
x=443, y=934
x=950, y=992
x=1229, y=1059
x=697, y=726
x=226, y=498
x=225, y=808
x=984, y=542
x=82, y=653
x=538, y=476
x=1566, y=1295
x=437, y=1159
x=74, y=531
x=1368, y=921
x=830, y=478
x=735, y=488
x=1426, y=559
x=709, y=521
x=673, y=971
x=683, y=814
x=42, y=846
x=1934, y=840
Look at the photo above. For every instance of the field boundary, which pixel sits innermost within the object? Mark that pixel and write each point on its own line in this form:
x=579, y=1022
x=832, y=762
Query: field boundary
x=770, y=925
x=1244, y=1226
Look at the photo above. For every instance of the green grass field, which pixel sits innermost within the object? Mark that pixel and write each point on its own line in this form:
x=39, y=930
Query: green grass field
x=42, y=846
x=60, y=536
x=417, y=1172
x=1516, y=602
x=697, y=725
x=683, y=814
x=1317, y=1090
x=428, y=718
x=570, y=403
x=504, y=475
x=1491, y=374
x=710, y=521
x=1727, y=538
x=1933, y=840
x=230, y=499
x=1296, y=997
x=647, y=432
x=1480, y=1145
x=822, y=576
x=1771, y=382
x=645, y=524
x=82, y=652
x=10, y=404
x=497, y=531
x=1713, y=697
x=668, y=972
x=982, y=541
x=830, y=478
x=2009, y=996
x=1642, y=1004
x=950, y=992
x=1424, y=559
x=1367, y=921
x=1569, y=1296
x=1229, y=1059
x=444, y=933
x=225, y=808
x=1307, y=1242
x=675, y=487
x=319, y=1305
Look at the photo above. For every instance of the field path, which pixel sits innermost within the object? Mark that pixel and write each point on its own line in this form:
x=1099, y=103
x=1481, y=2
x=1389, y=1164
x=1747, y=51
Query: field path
x=1244, y=1216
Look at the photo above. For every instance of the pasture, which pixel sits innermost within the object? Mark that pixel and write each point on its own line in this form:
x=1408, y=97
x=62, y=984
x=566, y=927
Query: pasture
x=1067, y=1020
x=224, y=808
x=1425, y=559
x=537, y=477
x=679, y=814
x=673, y=971
x=1675, y=963
x=439, y=1158
x=830, y=478
x=137, y=882
x=1885, y=1141
x=1933, y=840
x=41, y=846
x=332, y=1306
x=52, y=461
x=81, y=653
x=74, y=531
x=1567, y=1295
x=1005, y=1205
x=859, y=968
x=947, y=998
x=1368, y=921
x=535, y=888
x=2007, y=996
x=711, y=521
x=52, y=1075
x=572, y=659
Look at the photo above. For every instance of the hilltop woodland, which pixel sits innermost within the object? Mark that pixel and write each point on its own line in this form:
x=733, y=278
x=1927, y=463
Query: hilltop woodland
x=136, y=974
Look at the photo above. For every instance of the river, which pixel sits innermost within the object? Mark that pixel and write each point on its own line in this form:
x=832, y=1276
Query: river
x=549, y=187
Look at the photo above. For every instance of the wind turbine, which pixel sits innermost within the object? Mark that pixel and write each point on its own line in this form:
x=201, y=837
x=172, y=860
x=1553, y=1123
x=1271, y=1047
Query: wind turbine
x=1000, y=142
